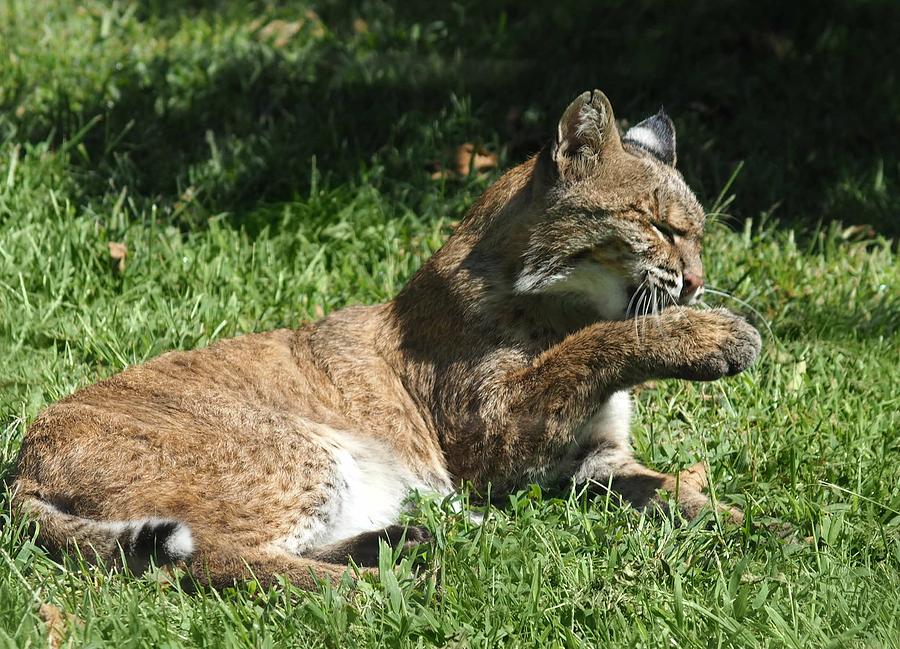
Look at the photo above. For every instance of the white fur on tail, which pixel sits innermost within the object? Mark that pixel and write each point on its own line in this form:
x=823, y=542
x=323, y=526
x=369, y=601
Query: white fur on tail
x=140, y=541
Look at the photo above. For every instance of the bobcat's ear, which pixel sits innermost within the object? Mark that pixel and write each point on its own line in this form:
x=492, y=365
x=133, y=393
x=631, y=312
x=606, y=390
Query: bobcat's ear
x=656, y=135
x=586, y=131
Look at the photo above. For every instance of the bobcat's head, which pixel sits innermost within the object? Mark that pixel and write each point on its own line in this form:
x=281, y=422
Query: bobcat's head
x=611, y=224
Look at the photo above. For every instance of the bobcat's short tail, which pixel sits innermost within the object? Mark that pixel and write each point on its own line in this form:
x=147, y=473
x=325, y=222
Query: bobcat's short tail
x=137, y=542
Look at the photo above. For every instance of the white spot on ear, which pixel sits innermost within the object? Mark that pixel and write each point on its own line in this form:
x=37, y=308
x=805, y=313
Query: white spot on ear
x=180, y=544
x=645, y=137
x=655, y=134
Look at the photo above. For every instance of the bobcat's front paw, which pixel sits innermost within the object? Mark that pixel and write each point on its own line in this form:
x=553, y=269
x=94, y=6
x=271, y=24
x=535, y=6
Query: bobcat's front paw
x=726, y=344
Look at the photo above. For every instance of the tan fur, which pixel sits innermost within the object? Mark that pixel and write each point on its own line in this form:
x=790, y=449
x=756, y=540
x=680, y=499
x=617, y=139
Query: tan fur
x=500, y=362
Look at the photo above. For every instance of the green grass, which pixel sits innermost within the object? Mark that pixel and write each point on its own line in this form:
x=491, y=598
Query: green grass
x=258, y=185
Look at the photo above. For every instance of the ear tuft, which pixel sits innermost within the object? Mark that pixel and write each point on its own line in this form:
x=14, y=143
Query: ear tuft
x=587, y=128
x=656, y=135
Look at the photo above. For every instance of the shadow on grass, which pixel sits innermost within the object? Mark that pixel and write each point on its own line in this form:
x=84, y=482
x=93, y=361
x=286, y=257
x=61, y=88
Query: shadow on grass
x=804, y=93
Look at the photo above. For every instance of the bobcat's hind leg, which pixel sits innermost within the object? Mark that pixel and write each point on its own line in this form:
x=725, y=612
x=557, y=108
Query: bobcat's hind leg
x=363, y=548
x=617, y=473
x=221, y=567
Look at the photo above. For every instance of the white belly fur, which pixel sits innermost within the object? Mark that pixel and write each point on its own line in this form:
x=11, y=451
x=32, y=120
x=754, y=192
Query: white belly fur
x=370, y=488
x=374, y=487
x=611, y=424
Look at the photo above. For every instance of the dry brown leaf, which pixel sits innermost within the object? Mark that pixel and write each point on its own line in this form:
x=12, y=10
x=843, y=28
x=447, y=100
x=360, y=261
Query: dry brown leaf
x=646, y=385
x=779, y=44
x=58, y=624
x=280, y=32
x=442, y=174
x=317, y=28
x=360, y=26
x=118, y=252
x=468, y=157
x=858, y=232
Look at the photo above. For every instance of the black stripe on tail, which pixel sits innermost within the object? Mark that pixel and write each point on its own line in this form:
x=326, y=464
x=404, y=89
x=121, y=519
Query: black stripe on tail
x=156, y=540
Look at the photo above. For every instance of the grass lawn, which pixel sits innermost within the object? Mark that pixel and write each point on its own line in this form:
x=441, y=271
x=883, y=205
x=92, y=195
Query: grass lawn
x=264, y=165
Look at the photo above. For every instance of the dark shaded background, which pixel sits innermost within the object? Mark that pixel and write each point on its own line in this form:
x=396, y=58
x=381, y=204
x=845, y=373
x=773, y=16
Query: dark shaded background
x=805, y=94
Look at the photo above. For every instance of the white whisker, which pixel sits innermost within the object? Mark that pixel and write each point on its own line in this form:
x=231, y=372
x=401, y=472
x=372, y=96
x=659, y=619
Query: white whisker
x=657, y=307
x=648, y=303
x=673, y=301
x=638, y=316
x=756, y=312
x=637, y=292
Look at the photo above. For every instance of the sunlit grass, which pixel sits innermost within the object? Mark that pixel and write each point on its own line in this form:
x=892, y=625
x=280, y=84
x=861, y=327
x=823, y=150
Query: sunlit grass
x=244, y=229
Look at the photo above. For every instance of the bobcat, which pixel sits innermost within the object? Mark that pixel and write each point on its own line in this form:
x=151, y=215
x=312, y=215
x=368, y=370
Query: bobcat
x=506, y=359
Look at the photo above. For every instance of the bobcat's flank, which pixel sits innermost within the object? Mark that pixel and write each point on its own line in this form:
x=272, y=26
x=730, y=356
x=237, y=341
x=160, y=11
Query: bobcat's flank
x=506, y=359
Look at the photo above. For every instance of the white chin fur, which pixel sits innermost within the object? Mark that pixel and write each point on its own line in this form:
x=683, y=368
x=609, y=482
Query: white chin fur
x=605, y=291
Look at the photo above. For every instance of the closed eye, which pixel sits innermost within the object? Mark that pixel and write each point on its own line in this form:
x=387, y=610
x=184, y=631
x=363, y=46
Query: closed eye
x=667, y=232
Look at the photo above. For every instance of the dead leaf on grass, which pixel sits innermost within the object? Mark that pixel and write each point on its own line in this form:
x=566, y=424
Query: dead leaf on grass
x=468, y=157
x=118, y=252
x=441, y=174
x=645, y=386
x=280, y=32
x=465, y=159
x=796, y=381
x=58, y=623
x=858, y=233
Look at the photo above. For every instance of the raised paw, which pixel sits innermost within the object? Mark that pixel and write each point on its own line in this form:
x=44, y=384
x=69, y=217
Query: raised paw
x=725, y=345
x=742, y=350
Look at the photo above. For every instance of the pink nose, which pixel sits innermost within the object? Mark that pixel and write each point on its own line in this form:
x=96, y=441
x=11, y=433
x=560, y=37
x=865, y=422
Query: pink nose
x=690, y=283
